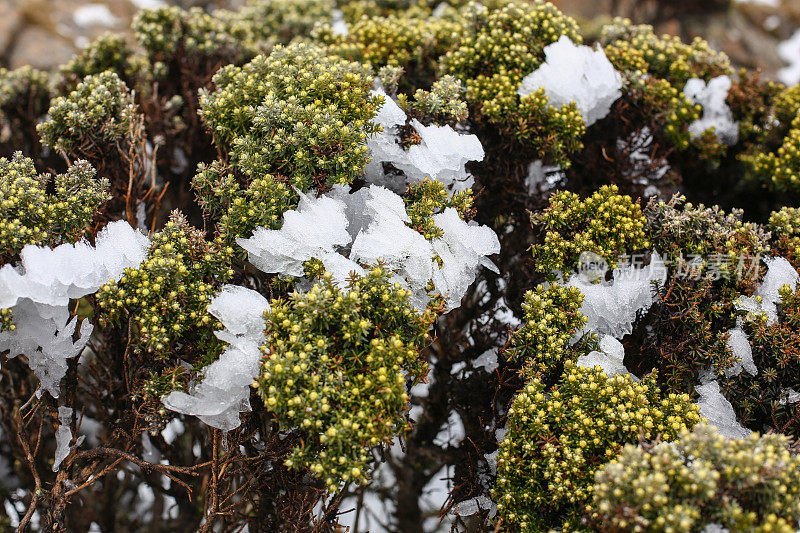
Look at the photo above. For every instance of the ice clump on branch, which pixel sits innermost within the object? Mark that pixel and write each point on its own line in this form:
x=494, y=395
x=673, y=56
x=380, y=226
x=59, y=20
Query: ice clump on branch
x=611, y=307
x=371, y=225
x=779, y=273
x=314, y=228
x=224, y=391
x=716, y=113
x=462, y=248
x=719, y=411
x=64, y=436
x=740, y=346
x=576, y=73
x=39, y=288
x=542, y=177
x=609, y=358
x=442, y=153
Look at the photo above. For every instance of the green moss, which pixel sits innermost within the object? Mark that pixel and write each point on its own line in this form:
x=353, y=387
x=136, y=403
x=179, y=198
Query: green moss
x=44, y=210
x=632, y=47
x=239, y=209
x=97, y=115
x=552, y=317
x=495, y=50
x=429, y=197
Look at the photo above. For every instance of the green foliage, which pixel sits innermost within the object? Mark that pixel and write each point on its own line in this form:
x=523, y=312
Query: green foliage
x=632, y=47
x=240, y=210
x=714, y=258
x=108, y=52
x=99, y=113
x=297, y=112
x=558, y=438
x=411, y=40
x=267, y=23
x=606, y=223
x=168, y=33
x=442, y=104
x=164, y=300
x=784, y=228
x=700, y=479
x=765, y=401
x=781, y=167
x=552, y=317
x=24, y=99
x=429, y=197
x=44, y=210
x=335, y=367
x=679, y=228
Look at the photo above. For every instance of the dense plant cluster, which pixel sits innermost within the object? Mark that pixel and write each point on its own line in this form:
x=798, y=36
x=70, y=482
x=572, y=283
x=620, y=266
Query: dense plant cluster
x=307, y=118
x=41, y=209
x=336, y=365
x=700, y=479
x=390, y=265
x=557, y=437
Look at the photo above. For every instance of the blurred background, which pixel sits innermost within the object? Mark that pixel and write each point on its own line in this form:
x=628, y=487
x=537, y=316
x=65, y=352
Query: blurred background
x=761, y=34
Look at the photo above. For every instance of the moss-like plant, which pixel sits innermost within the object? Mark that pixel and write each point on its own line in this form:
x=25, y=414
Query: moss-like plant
x=163, y=301
x=93, y=120
x=552, y=316
x=495, y=50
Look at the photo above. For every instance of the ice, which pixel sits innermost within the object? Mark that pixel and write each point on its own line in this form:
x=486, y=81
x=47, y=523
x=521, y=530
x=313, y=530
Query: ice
x=64, y=436
x=39, y=288
x=52, y=276
x=371, y=225
x=148, y=4
x=789, y=51
x=224, y=391
x=639, y=146
x=341, y=268
x=719, y=411
x=474, y=506
x=94, y=15
x=317, y=226
x=487, y=361
x=716, y=113
x=611, y=307
x=404, y=250
x=452, y=433
x=442, y=153
x=740, y=346
x=542, y=177
x=609, y=358
x=714, y=528
x=789, y=396
x=779, y=273
x=462, y=248
x=576, y=73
